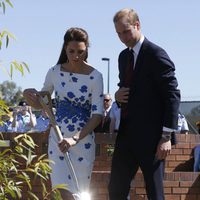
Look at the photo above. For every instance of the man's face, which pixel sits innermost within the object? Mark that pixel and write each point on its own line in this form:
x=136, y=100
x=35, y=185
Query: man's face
x=107, y=102
x=24, y=110
x=127, y=32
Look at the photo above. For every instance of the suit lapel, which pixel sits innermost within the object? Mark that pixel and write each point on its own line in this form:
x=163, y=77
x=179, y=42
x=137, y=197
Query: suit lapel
x=138, y=65
x=124, y=63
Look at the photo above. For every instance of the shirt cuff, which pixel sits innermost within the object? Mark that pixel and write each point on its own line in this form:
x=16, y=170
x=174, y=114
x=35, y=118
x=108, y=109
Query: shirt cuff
x=168, y=129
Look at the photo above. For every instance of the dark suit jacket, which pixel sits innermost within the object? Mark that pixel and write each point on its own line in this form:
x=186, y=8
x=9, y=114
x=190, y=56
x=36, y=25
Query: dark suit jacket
x=104, y=126
x=153, y=99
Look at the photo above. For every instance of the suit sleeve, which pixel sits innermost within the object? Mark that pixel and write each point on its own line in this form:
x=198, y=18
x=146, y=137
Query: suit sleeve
x=164, y=74
x=120, y=68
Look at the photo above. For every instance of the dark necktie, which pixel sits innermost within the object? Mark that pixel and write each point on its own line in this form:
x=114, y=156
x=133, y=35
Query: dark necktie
x=129, y=69
x=128, y=78
x=104, y=118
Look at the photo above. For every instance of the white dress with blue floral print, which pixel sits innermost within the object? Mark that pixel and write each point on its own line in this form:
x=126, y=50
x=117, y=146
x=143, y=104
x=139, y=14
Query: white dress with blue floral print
x=78, y=96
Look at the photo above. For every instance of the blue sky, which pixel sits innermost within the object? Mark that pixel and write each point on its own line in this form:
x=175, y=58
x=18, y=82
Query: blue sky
x=39, y=27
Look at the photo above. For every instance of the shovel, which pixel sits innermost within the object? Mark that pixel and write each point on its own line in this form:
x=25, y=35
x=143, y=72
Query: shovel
x=68, y=161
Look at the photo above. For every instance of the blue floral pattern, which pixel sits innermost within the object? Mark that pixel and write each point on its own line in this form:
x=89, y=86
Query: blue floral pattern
x=77, y=96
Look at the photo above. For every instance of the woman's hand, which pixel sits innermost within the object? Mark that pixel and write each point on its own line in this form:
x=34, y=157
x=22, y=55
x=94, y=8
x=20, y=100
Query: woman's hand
x=32, y=97
x=66, y=143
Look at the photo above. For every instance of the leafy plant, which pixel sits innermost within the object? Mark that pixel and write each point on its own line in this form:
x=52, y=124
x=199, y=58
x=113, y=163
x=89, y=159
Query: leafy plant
x=3, y=109
x=20, y=167
x=110, y=149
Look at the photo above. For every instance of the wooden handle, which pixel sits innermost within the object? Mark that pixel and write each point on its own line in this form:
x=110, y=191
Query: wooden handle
x=51, y=117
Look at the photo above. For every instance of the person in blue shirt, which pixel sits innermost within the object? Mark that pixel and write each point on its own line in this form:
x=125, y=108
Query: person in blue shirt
x=197, y=158
x=23, y=118
x=182, y=124
x=42, y=122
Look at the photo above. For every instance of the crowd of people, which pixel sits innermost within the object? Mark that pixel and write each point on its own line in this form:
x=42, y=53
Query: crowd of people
x=23, y=119
x=147, y=84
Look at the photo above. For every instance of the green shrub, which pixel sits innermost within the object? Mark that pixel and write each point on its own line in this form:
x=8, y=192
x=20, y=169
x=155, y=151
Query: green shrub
x=20, y=166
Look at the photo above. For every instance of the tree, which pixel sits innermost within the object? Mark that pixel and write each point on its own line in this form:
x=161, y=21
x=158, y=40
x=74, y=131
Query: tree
x=10, y=93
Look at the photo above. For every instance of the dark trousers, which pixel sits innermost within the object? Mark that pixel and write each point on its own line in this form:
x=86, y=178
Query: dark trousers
x=125, y=165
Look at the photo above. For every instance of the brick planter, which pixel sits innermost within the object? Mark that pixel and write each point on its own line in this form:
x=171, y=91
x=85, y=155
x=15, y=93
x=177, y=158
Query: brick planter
x=177, y=186
x=180, y=182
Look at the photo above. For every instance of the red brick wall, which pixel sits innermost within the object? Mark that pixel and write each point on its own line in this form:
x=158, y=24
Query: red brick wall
x=177, y=186
x=180, y=159
x=180, y=182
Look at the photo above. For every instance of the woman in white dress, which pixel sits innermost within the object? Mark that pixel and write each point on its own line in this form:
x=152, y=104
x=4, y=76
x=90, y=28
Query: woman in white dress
x=78, y=91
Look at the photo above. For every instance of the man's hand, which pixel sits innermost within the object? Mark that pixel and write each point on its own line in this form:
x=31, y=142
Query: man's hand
x=122, y=95
x=163, y=149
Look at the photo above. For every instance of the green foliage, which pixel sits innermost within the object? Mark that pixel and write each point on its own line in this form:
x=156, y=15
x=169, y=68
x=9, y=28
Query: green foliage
x=5, y=35
x=110, y=149
x=3, y=4
x=3, y=108
x=20, y=167
x=18, y=66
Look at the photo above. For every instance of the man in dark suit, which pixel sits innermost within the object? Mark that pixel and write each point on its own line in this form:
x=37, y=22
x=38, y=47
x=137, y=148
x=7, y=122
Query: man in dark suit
x=104, y=126
x=147, y=88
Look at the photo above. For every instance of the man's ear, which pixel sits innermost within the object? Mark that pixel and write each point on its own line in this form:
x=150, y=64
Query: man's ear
x=137, y=25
